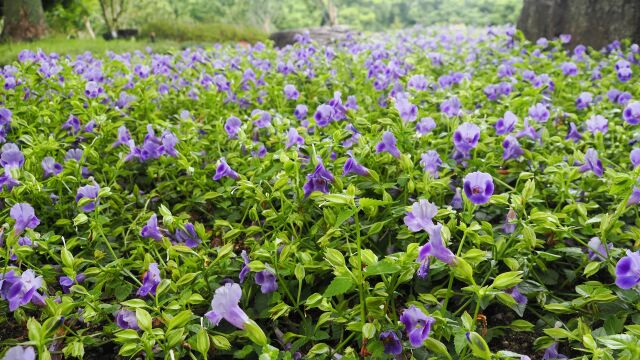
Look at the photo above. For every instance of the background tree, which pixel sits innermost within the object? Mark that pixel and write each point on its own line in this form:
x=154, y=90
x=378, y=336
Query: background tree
x=23, y=20
x=112, y=11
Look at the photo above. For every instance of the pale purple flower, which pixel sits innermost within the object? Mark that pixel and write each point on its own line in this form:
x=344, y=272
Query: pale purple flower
x=551, y=353
x=351, y=103
x=573, y=133
x=634, y=198
x=291, y=92
x=24, y=216
x=67, y=282
x=596, y=249
x=631, y=113
x=267, y=281
x=293, y=138
x=421, y=216
x=388, y=144
x=431, y=161
x=151, y=229
x=5, y=116
x=351, y=166
x=634, y=157
x=22, y=290
x=506, y=124
x=425, y=125
x=451, y=107
x=418, y=82
x=584, y=100
x=466, y=137
x=478, y=187
x=73, y=154
x=126, y=319
x=245, y=268
x=512, y=149
x=565, y=38
x=89, y=192
x=517, y=295
x=597, y=123
x=408, y=111
x=72, y=125
x=232, y=126
x=434, y=247
x=301, y=111
x=318, y=180
x=324, y=114
x=528, y=130
x=150, y=281
x=569, y=69
x=20, y=353
x=263, y=118
x=223, y=169
x=123, y=136
x=417, y=325
x=592, y=162
x=224, y=305
x=628, y=270
x=539, y=112
x=11, y=158
x=456, y=201
x=391, y=342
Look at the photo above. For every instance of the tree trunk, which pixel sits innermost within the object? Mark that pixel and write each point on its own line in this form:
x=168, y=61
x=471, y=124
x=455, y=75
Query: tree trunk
x=23, y=20
x=594, y=23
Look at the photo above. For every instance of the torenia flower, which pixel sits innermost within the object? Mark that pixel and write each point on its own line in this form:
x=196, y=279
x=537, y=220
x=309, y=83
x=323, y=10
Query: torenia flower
x=150, y=281
x=506, y=124
x=352, y=166
x=597, y=123
x=25, y=217
x=573, y=133
x=631, y=113
x=421, y=216
x=592, y=162
x=20, y=353
x=388, y=144
x=89, y=192
x=408, y=111
x=293, y=138
x=417, y=324
x=225, y=306
x=512, y=149
x=245, y=268
x=50, y=166
x=232, y=126
x=478, y=187
x=223, y=170
x=151, y=229
x=596, y=250
x=551, y=353
x=628, y=270
x=466, y=137
x=634, y=157
x=267, y=281
x=188, y=236
x=436, y=248
x=391, y=342
x=431, y=161
x=425, y=125
x=318, y=180
x=517, y=295
x=126, y=319
x=539, y=112
x=290, y=92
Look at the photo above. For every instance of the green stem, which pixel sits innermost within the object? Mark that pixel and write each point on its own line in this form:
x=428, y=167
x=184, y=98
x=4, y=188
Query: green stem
x=363, y=311
x=450, y=285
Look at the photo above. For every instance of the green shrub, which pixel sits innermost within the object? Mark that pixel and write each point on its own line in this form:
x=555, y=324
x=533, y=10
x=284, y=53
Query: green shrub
x=201, y=32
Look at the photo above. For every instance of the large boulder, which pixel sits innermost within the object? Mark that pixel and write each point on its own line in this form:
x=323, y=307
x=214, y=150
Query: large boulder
x=594, y=23
x=323, y=35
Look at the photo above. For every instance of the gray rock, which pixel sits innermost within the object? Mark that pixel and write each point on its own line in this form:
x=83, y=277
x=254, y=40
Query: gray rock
x=323, y=35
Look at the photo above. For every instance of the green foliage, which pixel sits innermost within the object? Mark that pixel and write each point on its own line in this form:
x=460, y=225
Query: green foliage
x=201, y=32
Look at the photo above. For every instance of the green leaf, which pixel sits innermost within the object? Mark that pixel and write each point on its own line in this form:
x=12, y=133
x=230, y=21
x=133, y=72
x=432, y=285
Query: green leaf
x=339, y=285
x=202, y=342
x=382, y=267
x=437, y=347
x=221, y=342
x=144, y=319
x=507, y=280
x=180, y=320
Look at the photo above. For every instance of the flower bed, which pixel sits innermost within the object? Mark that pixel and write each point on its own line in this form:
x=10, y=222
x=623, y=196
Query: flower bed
x=442, y=192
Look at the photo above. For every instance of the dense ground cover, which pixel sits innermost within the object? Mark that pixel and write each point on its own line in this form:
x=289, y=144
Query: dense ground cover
x=445, y=192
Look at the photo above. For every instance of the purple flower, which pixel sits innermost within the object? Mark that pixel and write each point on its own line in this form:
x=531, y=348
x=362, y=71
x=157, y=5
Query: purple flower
x=408, y=111
x=592, y=162
x=528, y=130
x=478, y=187
x=126, y=319
x=352, y=166
x=88, y=192
x=5, y=116
x=92, y=90
x=20, y=353
x=73, y=154
x=631, y=113
x=425, y=126
x=291, y=92
x=151, y=230
x=597, y=123
x=352, y=103
x=466, y=137
x=596, y=249
x=324, y=114
x=245, y=269
x=573, y=133
x=584, y=100
x=451, y=107
x=21, y=290
x=512, y=149
x=293, y=138
x=188, y=236
x=551, y=353
x=388, y=144
x=150, y=281
x=72, y=125
x=263, y=118
x=569, y=69
x=224, y=305
x=421, y=216
x=169, y=141
x=418, y=82
x=123, y=137
x=417, y=325
x=11, y=158
x=517, y=295
x=456, y=201
x=492, y=92
x=25, y=217
x=506, y=124
x=628, y=270
x=565, y=38
x=634, y=198
x=539, y=112
x=391, y=342
x=301, y=111
x=634, y=156
x=267, y=281
x=232, y=126
x=431, y=161
x=318, y=180
x=223, y=170
x=67, y=282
